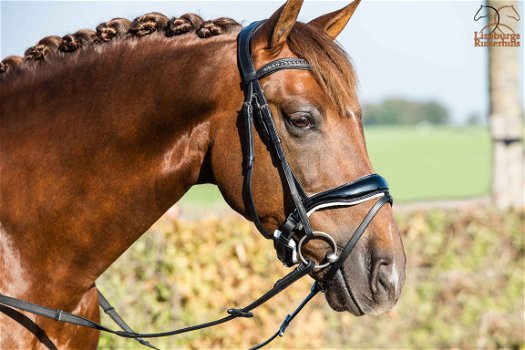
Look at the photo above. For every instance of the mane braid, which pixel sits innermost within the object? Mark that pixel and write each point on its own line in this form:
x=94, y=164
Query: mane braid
x=10, y=63
x=43, y=48
x=116, y=29
x=81, y=39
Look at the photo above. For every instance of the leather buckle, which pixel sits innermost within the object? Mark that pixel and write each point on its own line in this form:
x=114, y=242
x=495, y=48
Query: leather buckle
x=260, y=125
x=286, y=249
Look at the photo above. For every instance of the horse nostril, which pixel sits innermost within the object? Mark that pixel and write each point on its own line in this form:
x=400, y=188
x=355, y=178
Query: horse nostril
x=381, y=282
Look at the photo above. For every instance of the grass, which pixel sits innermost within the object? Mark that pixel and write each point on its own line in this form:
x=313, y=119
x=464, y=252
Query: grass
x=418, y=162
x=432, y=162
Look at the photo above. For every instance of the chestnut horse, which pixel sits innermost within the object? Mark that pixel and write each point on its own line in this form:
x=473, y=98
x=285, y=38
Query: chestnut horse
x=101, y=132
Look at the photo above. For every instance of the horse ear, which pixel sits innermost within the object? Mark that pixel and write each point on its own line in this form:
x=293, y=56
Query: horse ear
x=333, y=23
x=275, y=30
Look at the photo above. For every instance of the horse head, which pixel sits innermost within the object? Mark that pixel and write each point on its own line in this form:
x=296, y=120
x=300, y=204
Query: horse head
x=492, y=22
x=479, y=15
x=513, y=13
x=317, y=116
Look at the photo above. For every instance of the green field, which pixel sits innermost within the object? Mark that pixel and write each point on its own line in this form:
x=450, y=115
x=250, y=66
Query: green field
x=419, y=163
x=432, y=162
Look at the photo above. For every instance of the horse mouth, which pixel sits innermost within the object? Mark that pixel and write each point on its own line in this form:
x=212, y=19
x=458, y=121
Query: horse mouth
x=340, y=296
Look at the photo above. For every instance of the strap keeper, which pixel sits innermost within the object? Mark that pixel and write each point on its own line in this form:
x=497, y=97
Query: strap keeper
x=286, y=248
x=109, y=309
x=317, y=286
x=58, y=315
x=249, y=77
x=285, y=325
x=248, y=106
x=239, y=313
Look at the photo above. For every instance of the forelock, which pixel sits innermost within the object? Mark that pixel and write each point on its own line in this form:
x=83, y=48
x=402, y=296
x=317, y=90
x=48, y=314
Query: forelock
x=331, y=65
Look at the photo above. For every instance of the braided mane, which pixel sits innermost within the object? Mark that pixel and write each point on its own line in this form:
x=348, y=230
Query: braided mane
x=116, y=29
x=332, y=67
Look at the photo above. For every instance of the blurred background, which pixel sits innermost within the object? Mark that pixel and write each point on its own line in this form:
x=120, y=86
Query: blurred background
x=435, y=128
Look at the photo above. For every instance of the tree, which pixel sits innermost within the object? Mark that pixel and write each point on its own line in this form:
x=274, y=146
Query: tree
x=434, y=113
x=473, y=118
x=394, y=111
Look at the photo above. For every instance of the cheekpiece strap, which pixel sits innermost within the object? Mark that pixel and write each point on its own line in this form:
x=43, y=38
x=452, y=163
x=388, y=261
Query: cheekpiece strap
x=255, y=99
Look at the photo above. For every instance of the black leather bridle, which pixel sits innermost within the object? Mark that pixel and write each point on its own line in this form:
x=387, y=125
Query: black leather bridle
x=364, y=189
x=255, y=108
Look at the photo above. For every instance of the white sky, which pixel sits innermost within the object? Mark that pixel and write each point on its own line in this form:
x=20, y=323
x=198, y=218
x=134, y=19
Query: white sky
x=420, y=50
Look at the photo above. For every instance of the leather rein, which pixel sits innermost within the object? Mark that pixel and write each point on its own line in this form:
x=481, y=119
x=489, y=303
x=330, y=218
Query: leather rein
x=256, y=109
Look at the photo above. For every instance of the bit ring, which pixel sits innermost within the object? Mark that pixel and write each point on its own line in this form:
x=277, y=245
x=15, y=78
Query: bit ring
x=331, y=257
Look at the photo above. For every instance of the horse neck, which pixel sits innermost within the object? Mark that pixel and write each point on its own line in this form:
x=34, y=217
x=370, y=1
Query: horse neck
x=103, y=148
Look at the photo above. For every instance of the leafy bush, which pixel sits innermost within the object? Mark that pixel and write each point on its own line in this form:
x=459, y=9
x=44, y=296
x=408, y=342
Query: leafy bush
x=464, y=287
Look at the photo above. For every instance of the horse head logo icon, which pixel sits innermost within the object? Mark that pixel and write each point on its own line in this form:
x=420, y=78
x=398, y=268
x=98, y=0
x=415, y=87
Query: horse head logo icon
x=496, y=17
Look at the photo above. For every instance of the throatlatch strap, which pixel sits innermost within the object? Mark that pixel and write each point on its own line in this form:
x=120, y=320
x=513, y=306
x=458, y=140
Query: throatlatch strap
x=247, y=115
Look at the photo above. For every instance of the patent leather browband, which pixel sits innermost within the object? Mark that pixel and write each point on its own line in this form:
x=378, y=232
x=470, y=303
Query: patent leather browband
x=283, y=63
x=245, y=62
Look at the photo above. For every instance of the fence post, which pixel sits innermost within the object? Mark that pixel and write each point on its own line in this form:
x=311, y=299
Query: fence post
x=506, y=113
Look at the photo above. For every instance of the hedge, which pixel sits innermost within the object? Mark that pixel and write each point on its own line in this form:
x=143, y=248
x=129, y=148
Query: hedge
x=464, y=287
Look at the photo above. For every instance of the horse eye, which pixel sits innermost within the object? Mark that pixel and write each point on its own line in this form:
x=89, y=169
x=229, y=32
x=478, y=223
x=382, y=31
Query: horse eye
x=300, y=120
